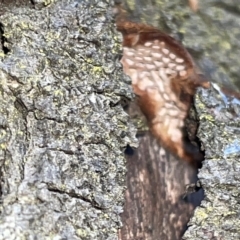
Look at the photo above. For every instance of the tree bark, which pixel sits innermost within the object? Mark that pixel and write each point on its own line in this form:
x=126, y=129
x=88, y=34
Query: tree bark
x=217, y=217
x=63, y=129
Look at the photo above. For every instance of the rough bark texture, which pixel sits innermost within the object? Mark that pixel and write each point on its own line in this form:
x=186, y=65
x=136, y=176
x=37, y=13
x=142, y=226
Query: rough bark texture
x=154, y=210
x=62, y=127
x=218, y=216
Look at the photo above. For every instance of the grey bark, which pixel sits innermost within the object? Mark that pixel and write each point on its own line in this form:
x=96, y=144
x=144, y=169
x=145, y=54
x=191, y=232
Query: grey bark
x=218, y=215
x=62, y=126
x=63, y=129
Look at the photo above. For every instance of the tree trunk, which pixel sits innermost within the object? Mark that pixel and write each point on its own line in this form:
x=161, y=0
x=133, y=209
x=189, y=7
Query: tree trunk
x=63, y=129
